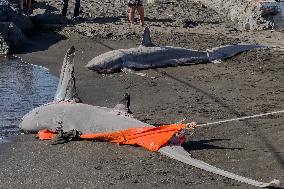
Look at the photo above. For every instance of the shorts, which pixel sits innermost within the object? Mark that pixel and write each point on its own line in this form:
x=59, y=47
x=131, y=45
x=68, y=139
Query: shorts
x=135, y=3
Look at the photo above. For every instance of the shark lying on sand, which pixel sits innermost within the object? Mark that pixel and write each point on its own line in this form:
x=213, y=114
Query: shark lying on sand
x=67, y=113
x=149, y=56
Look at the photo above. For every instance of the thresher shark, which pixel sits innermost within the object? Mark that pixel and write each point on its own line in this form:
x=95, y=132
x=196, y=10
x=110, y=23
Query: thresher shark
x=147, y=56
x=68, y=113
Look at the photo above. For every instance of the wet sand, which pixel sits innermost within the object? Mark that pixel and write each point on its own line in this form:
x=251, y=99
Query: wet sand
x=248, y=84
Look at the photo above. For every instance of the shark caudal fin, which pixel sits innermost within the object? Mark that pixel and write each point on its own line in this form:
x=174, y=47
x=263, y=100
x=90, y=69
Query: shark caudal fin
x=66, y=89
x=180, y=154
x=146, y=41
x=223, y=52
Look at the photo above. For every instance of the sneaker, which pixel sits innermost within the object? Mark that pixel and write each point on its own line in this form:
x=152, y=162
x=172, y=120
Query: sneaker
x=76, y=18
x=64, y=12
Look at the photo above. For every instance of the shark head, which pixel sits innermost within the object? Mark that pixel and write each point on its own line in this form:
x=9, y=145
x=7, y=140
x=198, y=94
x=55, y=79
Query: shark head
x=108, y=62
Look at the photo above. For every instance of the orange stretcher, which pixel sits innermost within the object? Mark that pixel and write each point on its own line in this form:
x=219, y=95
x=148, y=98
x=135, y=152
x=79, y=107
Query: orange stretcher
x=151, y=138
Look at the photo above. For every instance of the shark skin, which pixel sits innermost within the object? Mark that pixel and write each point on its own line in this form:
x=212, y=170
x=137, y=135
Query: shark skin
x=82, y=117
x=148, y=56
x=67, y=114
x=144, y=58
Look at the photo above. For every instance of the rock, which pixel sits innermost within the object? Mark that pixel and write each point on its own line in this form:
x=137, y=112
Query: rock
x=12, y=39
x=50, y=19
x=250, y=15
x=186, y=23
x=4, y=2
x=247, y=26
x=4, y=48
x=23, y=22
x=9, y=14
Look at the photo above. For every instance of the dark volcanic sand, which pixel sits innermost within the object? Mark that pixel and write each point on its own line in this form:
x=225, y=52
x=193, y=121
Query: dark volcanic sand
x=248, y=84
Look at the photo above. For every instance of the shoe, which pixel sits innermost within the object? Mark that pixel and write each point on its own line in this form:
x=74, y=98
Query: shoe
x=64, y=12
x=76, y=18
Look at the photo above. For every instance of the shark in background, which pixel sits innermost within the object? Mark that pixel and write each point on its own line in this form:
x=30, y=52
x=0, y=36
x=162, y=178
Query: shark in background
x=148, y=56
x=67, y=113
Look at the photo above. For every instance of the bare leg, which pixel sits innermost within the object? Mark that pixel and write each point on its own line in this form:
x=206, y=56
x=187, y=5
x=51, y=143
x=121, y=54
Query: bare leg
x=131, y=13
x=140, y=10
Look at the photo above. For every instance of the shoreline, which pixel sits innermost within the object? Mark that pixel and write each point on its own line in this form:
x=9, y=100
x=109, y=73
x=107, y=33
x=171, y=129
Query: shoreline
x=187, y=92
x=247, y=84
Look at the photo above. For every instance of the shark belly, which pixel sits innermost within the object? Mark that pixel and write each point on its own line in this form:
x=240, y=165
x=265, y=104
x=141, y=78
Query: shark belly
x=68, y=115
x=153, y=57
x=82, y=117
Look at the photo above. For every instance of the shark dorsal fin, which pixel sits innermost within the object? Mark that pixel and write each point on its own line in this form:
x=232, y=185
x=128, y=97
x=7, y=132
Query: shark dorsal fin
x=146, y=41
x=66, y=89
x=124, y=104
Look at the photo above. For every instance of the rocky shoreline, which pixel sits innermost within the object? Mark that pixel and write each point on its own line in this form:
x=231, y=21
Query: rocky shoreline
x=108, y=20
x=13, y=27
x=249, y=14
x=247, y=84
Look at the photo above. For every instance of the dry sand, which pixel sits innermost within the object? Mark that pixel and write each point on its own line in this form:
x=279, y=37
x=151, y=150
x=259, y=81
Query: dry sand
x=247, y=84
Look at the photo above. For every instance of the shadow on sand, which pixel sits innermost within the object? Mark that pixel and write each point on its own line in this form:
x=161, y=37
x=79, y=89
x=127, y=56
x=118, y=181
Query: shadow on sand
x=54, y=20
x=205, y=144
x=41, y=41
x=43, y=5
x=273, y=149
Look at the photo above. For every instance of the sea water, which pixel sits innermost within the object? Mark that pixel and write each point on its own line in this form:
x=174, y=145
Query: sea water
x=23, y=87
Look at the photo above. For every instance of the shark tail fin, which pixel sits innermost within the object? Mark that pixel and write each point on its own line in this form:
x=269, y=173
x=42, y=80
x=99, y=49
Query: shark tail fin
x=66, y=89
x=146, y=41
x=180, y=154
x=224, y=52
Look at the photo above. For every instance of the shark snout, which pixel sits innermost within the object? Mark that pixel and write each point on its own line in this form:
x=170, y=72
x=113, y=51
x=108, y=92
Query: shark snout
x=96, y=67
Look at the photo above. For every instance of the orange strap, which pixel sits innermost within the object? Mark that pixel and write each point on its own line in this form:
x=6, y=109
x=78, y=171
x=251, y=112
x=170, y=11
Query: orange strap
x=46, y=134
x=148, y=137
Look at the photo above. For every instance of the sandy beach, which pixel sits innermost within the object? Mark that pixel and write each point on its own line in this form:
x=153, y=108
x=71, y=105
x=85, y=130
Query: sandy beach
x=247, y=84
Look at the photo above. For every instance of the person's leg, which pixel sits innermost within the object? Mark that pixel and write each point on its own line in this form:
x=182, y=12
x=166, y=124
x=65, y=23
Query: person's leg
x=77, y=8
x=21, y=5
x=65, y=7
x=140, y=10
x=29, y=6
x=131, y=13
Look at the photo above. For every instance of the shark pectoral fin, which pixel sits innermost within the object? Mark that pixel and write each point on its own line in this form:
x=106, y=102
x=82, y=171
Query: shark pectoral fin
x=146, y=41
x=127, y=70
x=216, y=61
x=178, y=153
x=66, y=89
x=131, y=71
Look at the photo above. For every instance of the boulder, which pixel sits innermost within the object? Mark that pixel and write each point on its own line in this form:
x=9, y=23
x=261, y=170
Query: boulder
x=50, y=19
x=9, y=14
x=23, y=22
x=4, y=47
x=249, y=14
x=12, y=39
